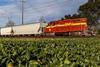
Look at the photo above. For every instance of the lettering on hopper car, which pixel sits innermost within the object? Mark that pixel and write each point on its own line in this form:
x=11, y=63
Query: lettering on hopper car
x=67, y=24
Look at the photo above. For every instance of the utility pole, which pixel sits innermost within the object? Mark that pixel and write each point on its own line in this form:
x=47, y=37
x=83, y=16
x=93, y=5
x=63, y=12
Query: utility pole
x=22, y=2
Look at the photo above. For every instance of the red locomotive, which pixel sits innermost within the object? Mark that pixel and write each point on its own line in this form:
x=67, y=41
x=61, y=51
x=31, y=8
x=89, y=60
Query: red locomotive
x=66, y=26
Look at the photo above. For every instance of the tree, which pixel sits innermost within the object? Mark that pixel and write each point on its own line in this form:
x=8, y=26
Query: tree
x=42, y=20
x=62, y=18
x=91, y=10
x=10, y=23
x=75, y=16
x=67, y=16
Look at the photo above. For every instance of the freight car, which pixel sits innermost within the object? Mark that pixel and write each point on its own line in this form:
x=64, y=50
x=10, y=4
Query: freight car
x=55, y=28
x=23, y=30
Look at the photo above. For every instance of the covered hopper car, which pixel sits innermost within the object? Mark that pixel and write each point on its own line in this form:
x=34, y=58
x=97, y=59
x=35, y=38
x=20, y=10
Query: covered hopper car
x=32, y=29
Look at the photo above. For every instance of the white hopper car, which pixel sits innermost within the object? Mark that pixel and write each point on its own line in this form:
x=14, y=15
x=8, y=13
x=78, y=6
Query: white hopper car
x=26, y=29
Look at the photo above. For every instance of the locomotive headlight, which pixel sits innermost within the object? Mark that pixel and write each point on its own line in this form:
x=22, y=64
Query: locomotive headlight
x=49, y=29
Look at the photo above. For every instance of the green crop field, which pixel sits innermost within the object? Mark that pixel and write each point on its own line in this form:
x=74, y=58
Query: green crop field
x=50, y=52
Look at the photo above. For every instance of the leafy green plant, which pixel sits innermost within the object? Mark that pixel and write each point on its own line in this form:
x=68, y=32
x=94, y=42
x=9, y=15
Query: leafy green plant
x=50, y=52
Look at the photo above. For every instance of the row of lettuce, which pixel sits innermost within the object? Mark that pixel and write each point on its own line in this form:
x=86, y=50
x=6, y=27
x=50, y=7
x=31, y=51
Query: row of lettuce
x=61, y=52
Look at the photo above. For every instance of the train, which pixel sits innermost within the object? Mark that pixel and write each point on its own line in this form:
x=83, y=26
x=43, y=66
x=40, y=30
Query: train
x=65, y=27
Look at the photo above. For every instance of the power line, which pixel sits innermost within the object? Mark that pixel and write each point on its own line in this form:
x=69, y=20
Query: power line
x=39, y=9
x=49, y=6
x=46, y=5
x=53, y=2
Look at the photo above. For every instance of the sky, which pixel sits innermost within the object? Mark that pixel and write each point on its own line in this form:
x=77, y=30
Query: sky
x=34, y=9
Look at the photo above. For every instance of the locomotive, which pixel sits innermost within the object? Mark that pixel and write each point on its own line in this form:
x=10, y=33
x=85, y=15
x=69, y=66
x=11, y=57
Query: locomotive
x=76, y=26
x=67, y=27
